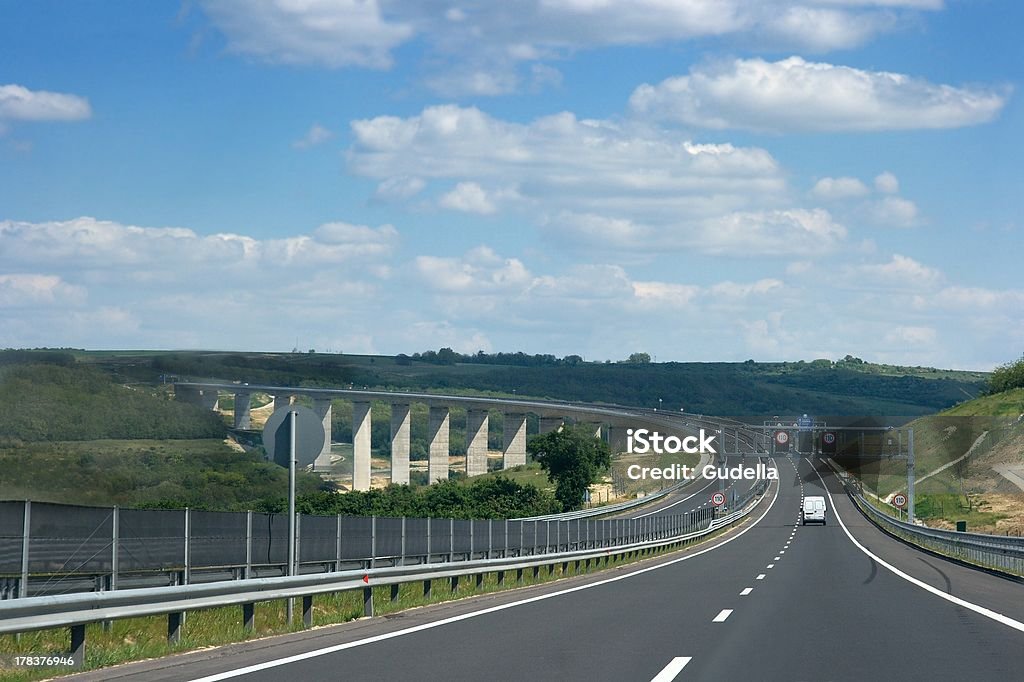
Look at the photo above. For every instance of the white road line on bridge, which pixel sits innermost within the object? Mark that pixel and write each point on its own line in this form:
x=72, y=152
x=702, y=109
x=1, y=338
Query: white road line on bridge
x=237, y=672
x=988, y=613
x=674, y=667
x=722, y=615
x=658, y=511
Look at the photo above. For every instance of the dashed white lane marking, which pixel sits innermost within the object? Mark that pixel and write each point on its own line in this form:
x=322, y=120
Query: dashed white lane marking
x=722, y=615
x=760, y=576
x=674, y=667
x=770, y=566
x=746, y=591
x=776, y=559
x=782, y=551
x=238, y=672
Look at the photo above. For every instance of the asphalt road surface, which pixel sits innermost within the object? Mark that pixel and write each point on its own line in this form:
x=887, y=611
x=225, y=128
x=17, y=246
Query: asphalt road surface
x=772, y=600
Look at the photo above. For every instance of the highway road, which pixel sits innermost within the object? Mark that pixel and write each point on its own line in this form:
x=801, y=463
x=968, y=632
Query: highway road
x=771, y=600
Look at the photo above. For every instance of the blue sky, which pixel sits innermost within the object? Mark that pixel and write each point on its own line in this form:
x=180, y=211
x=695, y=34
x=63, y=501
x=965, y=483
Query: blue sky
x=777, y=180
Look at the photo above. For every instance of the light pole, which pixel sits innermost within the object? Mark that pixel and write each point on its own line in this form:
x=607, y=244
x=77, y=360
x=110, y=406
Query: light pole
x=659, y=404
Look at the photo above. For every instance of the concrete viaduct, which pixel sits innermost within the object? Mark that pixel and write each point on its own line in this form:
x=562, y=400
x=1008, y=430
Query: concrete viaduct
x=551, y=417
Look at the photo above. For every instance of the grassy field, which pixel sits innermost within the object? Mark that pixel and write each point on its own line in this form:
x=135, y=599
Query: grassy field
x=1006, y=404
x=204, y=473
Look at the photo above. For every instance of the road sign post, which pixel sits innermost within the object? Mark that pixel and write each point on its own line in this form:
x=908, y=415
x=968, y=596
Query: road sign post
x=293, y=435
x=910, y=475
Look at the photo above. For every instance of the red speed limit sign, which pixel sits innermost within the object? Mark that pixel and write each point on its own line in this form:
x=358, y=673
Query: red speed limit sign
x=899, y=500
x=781, y=437
x=718, y=499
x=830, y=438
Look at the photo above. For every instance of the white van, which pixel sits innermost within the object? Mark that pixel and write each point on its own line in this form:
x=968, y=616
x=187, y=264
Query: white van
x=813, y=510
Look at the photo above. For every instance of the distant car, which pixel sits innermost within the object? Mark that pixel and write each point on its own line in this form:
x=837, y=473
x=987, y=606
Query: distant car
x=813, y=510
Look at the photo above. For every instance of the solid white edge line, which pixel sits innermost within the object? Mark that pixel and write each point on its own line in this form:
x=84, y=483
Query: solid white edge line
x=674, y=667
x=722, y=615
x=465, y=616
x=988, y=613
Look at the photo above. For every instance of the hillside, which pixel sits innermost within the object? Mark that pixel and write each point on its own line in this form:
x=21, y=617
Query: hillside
x=846, y=387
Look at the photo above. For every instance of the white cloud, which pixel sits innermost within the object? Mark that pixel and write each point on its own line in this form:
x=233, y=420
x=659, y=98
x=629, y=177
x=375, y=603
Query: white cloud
x=900, y=272
x=86, y=243
x=333, y=33
x=961, y=298
x=18, y=103
x=480, y=271
x=399, y=188
x=895, y=211
x=887, y=183
x=484, y=48
x=316, y=135
x=468, y=197
x=912, y=336
x=839, y=188
x=794, y=232
x=796, y=95
x=29, y=289
x=637, y=187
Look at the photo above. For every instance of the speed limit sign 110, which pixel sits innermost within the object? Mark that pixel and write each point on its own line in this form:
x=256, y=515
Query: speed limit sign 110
x=718, y=499
x=899, y=500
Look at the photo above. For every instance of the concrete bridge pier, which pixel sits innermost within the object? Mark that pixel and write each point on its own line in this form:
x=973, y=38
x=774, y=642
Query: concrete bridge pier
x=282, y=400
x=243, y=400
x=400, y=439
x=549, y=424
x=323, y=409
x=438, y=465
x=515, y=440
x=477, y=423
x=617, y=438
x=360, y=446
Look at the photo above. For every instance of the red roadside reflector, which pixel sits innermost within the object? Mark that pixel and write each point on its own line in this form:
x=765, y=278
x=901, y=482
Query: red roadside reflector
x=366, y=579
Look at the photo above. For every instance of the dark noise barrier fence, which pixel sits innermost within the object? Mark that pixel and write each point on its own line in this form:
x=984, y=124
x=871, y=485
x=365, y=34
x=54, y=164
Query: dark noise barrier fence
x=53, y=549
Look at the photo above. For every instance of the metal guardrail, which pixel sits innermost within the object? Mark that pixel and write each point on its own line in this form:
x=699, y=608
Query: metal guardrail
x=994, y=552
x=76, y=610
x=988, y=551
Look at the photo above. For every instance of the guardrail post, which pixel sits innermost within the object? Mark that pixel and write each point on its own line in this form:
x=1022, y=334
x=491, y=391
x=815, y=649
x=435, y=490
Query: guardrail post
x=307, y=610
x=249, y=616
x=248, y=544
x=368, y=602
x=455, y=583
x=25, y=535
x=479, y=580
x=78, y=644
x=174, y=621
x=426, y=588
x=519, y=576
x=395, y=589
x=910, y=476
x=558, y=536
